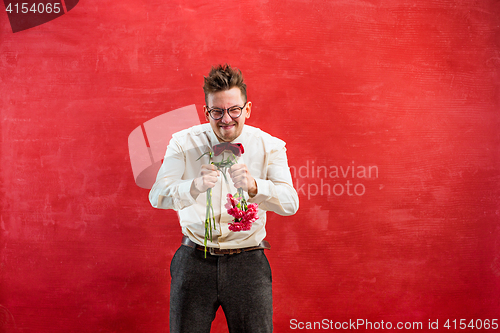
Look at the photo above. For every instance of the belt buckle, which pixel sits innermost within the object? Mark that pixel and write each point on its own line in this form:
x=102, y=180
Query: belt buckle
x=211, y=251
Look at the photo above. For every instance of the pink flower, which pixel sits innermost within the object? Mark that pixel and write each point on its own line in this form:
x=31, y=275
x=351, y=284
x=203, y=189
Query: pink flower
x=240, y=226
x=232, y=202
x=236, y=212
x=244, y=214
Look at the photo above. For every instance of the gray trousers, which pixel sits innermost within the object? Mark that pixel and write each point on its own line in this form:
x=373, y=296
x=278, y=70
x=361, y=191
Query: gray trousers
x=240, y=283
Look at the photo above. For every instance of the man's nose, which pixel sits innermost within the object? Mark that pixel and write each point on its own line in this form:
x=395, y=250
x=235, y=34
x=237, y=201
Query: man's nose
x=226, y=119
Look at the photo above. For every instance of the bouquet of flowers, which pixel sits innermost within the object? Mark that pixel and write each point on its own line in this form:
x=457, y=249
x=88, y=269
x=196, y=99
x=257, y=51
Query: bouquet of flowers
x=244, y=214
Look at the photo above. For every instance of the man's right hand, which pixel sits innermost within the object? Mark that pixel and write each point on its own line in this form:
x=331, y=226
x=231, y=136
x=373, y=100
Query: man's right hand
x=206, y=179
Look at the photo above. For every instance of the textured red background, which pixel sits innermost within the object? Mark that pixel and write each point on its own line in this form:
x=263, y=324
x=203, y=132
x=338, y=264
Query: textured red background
x=411, y=87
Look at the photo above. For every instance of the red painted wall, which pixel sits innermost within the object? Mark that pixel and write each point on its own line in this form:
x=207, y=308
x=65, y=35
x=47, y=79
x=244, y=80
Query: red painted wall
x=406, y=89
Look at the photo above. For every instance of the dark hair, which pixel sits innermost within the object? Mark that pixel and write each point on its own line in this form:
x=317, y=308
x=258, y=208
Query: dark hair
x=223, y=77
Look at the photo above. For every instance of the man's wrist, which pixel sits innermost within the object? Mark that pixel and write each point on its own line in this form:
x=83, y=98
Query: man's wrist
x=193, y=190
x=252, y=192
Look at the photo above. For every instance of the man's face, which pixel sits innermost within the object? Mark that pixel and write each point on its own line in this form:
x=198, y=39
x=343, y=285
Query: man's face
x=227, y=129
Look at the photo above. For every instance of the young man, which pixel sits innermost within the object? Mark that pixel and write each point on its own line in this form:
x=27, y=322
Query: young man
x=234, y=272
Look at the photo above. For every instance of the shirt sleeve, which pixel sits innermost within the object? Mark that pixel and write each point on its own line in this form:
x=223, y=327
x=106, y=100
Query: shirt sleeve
x=276, y=192
x=171, y=191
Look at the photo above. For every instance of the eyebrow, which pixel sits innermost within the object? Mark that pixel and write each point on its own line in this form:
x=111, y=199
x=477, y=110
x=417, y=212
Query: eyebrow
x=224, y=108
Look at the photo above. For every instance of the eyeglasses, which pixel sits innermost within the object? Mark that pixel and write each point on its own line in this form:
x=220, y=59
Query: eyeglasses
x=233, y=112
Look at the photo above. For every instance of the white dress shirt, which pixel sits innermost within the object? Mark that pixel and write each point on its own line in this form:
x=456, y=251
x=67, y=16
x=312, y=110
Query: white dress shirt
x=265, y=158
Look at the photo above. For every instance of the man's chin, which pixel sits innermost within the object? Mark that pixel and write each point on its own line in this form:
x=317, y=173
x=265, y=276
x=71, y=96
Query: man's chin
x=226, y=138
x=227, y=135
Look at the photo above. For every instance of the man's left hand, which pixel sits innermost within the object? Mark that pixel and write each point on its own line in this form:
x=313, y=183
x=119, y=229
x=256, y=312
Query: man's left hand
x=242, y=178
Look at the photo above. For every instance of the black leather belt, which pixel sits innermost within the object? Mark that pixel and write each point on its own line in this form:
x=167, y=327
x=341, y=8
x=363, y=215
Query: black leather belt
x=264, y=245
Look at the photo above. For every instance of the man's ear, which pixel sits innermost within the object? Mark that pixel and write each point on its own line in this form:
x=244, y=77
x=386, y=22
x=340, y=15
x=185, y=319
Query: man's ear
x=205, y=111
x=249, y=109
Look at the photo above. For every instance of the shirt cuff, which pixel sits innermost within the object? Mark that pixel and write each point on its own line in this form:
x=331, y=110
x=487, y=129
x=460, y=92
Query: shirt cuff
x=263, y=192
